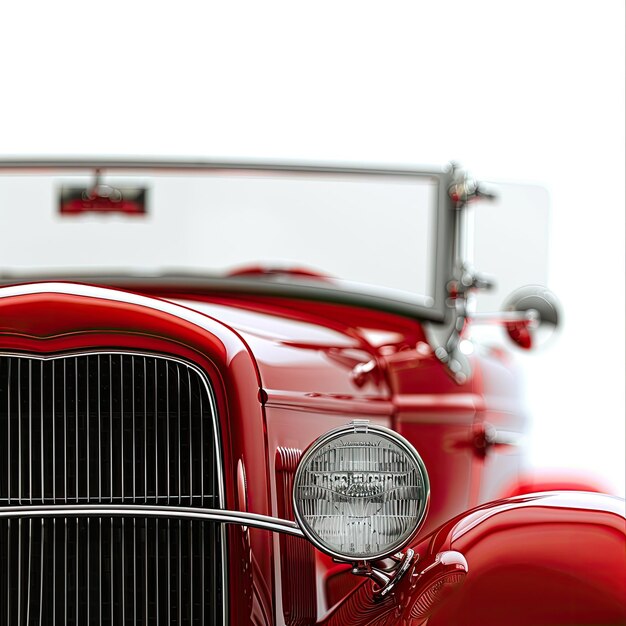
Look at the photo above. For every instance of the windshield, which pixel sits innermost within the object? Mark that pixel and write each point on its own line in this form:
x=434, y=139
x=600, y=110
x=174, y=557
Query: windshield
x=376, y=229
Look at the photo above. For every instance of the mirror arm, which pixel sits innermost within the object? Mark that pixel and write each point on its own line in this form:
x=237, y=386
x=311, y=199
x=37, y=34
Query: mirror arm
x=529, y=318
x=446, y=341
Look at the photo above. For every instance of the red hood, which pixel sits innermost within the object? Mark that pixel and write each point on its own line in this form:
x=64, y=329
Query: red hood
x=315, y=355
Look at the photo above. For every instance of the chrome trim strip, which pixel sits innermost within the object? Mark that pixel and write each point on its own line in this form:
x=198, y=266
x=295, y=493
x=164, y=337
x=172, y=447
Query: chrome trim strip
x=237, y=518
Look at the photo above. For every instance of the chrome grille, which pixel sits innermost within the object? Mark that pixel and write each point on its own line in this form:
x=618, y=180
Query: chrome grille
x=108, y=428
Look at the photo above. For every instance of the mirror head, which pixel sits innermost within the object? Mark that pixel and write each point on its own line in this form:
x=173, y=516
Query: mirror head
x=542, y=319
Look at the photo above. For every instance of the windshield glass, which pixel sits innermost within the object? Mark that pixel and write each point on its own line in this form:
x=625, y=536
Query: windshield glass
x=373, y=229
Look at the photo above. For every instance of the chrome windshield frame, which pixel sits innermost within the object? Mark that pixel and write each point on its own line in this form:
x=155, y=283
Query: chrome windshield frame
x=414, y=306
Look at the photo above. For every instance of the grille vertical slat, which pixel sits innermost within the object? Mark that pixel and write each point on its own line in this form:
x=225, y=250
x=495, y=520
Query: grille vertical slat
x=54, y=439
x=41, y=573
x=179, y=596
x=88, y=570
x=136, y=595
x=134, y=427
x=19, y=572
x=110, y=387
x=76, y=430
x=65, y=448
x=99, y=433
x=169, y=573
x=9, y=445
x=115, y=428
x=19, y=432
x=190, y=455
x=123, y=569
x=156, y=434
x=202, y=577
x=111, y=575
x=41, y=438
x=178, y=447
x=146, y=575
x=77, y=487
x=191, y=576
x=8, y=572
x=145, y=430
x=201, y=454
x=54, y=569
x=121, y=427
x=87, y=427
x=29, y=569
x=99, y=570
x=158, y=578
x=30, y=439
x=65, y=604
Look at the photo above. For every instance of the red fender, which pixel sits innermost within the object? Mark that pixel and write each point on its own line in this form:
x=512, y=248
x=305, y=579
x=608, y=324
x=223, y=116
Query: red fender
x=555, y=480
x=544, y=559
x=548, y=559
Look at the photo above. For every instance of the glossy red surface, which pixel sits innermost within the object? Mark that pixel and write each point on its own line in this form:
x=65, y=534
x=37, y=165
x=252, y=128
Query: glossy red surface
x=62, y=318
x=555, y=480
x=547, y=559
x=285, y=372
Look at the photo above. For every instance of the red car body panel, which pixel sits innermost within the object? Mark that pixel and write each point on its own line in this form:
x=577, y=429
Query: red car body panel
x=285, y=372
x=544, y=559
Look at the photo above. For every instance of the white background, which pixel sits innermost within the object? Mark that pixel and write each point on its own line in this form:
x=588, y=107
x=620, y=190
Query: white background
x=527, y=91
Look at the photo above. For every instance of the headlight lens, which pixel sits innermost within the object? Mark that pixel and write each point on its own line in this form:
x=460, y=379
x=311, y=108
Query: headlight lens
x=360, y=492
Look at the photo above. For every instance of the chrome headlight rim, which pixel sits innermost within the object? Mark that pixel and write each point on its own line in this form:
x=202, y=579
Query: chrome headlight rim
x=362, y=427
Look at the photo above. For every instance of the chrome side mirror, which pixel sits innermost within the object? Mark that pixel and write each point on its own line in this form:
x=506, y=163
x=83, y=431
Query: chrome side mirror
x=541, y=310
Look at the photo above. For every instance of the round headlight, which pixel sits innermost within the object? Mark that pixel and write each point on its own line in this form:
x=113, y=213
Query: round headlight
x=360, y=492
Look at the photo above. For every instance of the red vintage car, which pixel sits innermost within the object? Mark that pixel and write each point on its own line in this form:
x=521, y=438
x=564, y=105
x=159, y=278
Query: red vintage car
x=223, y=401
